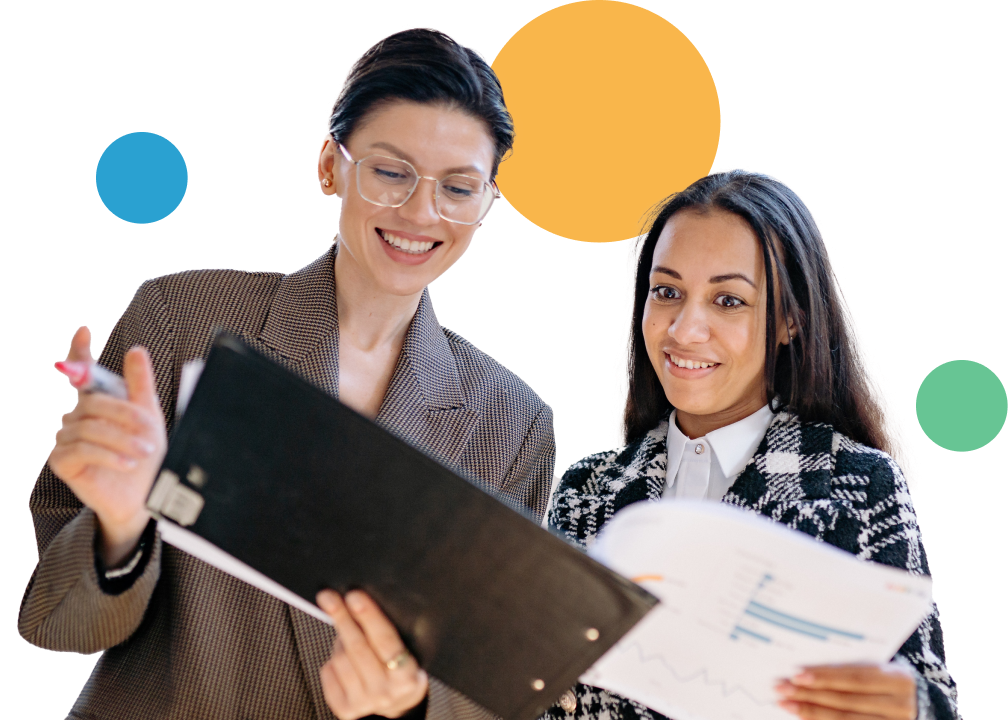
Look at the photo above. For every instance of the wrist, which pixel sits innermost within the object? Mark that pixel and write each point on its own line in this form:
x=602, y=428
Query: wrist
x=117, y=541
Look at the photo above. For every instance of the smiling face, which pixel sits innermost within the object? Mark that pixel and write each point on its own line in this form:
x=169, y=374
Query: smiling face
x=399, y=251
x=704, y=321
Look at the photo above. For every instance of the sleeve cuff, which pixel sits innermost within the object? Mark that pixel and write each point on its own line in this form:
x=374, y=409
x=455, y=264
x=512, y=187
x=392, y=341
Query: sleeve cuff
x=115, y=581
x=923, y=697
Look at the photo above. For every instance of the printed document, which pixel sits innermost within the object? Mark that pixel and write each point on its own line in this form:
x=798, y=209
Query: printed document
x=744, y=602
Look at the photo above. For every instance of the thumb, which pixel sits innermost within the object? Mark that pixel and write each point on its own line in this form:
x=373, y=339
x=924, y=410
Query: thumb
x=80, y=346
x=139, y=375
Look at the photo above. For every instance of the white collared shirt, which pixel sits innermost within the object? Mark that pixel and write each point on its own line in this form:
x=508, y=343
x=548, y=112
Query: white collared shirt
x=691, y=471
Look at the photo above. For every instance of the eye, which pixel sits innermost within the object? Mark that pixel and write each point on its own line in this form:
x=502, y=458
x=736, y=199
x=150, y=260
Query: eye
x=390, y=175
x=664, y=292
x=729, y=301
x=458, y=193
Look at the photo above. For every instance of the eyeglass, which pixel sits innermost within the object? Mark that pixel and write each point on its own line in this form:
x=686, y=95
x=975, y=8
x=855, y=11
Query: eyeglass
x=390, y=182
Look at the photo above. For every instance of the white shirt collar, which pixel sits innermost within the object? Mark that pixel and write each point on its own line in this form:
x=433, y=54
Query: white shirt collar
x=733, y=445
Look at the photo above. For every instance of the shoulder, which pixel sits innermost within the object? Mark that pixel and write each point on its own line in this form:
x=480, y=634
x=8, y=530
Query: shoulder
x=214, y=292
x=597, y=487
x=865, y=473
x=491, y=385
x=814, y=478
x=190, y=305
x=612, y=469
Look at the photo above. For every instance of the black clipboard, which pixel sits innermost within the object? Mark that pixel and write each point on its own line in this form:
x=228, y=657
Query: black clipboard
x=273, y=480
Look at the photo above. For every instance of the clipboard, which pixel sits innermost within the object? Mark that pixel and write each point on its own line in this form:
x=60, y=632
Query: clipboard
x=276, y=482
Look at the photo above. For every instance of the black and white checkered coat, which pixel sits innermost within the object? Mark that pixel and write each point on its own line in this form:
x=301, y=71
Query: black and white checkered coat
x=804, y=475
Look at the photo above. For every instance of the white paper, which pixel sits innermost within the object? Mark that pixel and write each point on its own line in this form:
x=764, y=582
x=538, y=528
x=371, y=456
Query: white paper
x=188, y=378
x=209, y=553
x=744, y=603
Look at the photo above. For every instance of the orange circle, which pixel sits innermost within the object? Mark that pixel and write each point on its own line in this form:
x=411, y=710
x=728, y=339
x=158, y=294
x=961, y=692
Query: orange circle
x=614, y=110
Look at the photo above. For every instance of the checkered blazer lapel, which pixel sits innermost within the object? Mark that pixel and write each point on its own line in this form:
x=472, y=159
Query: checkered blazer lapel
x=789, y=478
x=425, y=402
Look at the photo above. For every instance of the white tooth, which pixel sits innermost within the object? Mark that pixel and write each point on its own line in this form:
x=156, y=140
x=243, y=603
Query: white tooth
x=689, y=364
x=681, y=363
x=703, y=366
x=414, y=246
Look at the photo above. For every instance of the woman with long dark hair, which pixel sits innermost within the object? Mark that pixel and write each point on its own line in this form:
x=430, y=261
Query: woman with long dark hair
x=414, y=142
x=745, y=387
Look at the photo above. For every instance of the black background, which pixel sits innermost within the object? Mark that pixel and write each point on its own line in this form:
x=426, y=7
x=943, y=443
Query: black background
x=878, y=118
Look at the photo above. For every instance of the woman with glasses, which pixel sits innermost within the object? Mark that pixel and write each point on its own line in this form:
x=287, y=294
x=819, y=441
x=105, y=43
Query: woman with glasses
x=746, y=387
x=415, y=139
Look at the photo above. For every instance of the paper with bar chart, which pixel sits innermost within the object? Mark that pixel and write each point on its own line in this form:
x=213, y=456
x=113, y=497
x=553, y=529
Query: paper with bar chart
x=744, y=602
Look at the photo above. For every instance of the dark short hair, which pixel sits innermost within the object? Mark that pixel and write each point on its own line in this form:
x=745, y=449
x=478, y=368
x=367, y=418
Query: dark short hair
x=424, y=66
x=819, y=374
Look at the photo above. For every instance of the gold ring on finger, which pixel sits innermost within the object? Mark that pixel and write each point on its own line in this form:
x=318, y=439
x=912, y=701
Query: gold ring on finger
x=398, y=661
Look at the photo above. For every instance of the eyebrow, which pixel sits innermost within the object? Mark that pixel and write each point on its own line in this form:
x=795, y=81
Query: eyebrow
x=713, y=280
x=409, y=158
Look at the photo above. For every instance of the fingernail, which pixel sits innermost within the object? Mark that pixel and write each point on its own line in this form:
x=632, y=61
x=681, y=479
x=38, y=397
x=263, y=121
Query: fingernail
x=355, y=601
x=143, y=446
x=803, y=678
x=788, y=705
x=786, y=689
x=128, y=462
x=325, y=600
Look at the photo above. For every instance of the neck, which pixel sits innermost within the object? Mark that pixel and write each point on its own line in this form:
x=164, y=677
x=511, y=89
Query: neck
x=694, y=426
x=369, y=318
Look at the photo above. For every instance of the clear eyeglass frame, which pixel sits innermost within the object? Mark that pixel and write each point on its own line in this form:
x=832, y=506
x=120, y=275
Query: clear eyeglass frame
x=491, y=192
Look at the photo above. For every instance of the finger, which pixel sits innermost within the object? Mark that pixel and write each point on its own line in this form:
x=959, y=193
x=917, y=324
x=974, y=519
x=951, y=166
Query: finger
x=380, y=632
x=80, y=346
x=333, y=692
x=350, y=680
x=107, y=435
x=70, y=460
x=131, y=416
x=855, y=678
x=139, y=375
x=358, y=650
x=884, y=706
x=816, y=712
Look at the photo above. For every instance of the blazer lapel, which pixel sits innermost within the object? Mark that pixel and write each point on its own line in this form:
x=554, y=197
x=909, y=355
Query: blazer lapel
x=793, y=463
x=301, y=330
x=425, y=403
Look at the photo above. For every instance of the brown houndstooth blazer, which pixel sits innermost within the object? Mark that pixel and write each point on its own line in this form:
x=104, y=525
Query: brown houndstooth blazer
x=186, y=640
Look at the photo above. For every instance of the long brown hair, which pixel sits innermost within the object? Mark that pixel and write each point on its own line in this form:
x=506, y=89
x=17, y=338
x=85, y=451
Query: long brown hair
x=819, y=374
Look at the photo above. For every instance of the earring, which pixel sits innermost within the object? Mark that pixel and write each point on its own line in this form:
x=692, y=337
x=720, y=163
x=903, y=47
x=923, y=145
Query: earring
x=326, y=182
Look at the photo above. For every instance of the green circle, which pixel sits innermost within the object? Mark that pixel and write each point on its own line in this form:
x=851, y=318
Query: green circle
x=961, y=405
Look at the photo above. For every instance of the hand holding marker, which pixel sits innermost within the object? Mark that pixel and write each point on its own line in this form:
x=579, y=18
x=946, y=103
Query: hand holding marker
x=92, y=377
x=111, y=444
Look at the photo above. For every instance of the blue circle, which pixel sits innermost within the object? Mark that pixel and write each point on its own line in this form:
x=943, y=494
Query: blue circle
x=141, y=177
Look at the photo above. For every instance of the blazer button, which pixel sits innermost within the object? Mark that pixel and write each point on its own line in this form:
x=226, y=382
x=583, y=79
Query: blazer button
x=568, y=701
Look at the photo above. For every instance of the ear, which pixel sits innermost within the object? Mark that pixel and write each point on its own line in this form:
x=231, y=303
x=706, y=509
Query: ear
x=329, y=165
x=786, y=331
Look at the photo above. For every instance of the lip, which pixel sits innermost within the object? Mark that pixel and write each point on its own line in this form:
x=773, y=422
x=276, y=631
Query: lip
x=405, y=258
x=688, y=374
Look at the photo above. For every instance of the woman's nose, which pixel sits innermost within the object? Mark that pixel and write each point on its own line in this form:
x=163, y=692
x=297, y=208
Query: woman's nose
x=690, y=326
x=421, y=208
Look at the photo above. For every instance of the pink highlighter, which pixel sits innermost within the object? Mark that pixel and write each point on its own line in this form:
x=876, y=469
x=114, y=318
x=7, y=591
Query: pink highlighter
x=91, y=377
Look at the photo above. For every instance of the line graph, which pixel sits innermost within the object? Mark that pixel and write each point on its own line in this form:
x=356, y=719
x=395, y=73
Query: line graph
x=702, y=674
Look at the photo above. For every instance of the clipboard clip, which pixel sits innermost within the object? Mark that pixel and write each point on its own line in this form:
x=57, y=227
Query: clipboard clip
x=170, y=498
